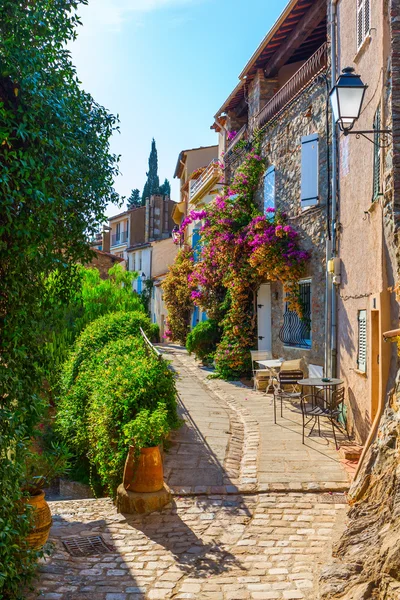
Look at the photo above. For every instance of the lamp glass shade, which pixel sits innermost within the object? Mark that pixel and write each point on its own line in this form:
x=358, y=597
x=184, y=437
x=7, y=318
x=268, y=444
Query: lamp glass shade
x=347, y=98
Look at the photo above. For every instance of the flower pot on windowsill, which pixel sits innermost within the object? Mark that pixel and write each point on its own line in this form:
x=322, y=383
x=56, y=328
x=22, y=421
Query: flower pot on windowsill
x=41, y=521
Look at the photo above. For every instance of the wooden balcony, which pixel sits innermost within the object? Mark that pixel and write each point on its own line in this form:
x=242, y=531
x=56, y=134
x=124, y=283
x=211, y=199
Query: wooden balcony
x=205, y=182
x=315, y=65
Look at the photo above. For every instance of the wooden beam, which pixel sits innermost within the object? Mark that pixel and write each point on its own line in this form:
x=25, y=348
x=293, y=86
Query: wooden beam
x=305, y=26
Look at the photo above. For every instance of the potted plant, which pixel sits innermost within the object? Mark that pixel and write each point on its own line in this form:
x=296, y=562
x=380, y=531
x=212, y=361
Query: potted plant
x=41, y=468
x=145, y=434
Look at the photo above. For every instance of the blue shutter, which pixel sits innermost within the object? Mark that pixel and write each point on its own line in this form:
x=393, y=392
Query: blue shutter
x=195, y=316
x=204, y=316
x=309, y=170
x=139, y=285
x=196, y=243
x=269, y=189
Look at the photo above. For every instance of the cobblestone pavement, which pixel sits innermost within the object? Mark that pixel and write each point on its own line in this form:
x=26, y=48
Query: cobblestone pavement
x=243, y=523
x=267, y=546
x=232, y=428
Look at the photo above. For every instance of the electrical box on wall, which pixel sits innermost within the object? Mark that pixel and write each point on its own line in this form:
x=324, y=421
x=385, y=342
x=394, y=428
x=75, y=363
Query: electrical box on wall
x=334, y=266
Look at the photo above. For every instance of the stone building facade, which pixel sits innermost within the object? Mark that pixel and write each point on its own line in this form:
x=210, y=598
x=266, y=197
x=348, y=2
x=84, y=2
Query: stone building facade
x=282, y=100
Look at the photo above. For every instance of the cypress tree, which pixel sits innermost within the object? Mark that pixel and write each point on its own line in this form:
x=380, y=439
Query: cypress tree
x=134, y=199
x=165, y=188
x=152, y=185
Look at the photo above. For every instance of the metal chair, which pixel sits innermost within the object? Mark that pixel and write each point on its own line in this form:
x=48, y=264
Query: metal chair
x=327, y=406
x=262, y=374
x=289, y=379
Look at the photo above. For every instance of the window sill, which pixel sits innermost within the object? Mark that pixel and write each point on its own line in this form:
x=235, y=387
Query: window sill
x=297, y=348
x=362, y=48
x=361, y=373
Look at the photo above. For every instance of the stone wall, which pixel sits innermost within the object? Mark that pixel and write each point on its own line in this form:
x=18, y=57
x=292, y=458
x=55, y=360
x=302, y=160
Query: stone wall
x=103, y=261
x=367, y=564
x=282, y=148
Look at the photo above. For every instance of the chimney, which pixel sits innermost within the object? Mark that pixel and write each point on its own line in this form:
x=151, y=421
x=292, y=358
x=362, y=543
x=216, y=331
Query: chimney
x=106, y=245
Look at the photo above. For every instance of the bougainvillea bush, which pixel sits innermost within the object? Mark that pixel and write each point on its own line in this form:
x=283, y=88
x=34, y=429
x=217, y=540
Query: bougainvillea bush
x=177, y=296
x=110, y=377
x=241, y=248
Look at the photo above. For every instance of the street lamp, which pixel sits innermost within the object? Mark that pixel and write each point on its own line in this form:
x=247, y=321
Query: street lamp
x=347, y=97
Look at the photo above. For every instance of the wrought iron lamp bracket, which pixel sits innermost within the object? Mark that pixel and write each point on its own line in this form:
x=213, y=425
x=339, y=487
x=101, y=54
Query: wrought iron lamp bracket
x=386, y=134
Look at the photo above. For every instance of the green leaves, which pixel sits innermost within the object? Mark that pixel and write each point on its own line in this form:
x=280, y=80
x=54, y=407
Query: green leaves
x=56, y=179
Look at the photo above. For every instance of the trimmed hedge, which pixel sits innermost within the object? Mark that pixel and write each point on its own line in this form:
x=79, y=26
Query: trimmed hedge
x=105, y=387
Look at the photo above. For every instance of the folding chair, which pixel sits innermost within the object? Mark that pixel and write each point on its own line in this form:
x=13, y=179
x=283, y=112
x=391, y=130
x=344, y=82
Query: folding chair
x=260, y=374
x=329, y=407
x=288, y=379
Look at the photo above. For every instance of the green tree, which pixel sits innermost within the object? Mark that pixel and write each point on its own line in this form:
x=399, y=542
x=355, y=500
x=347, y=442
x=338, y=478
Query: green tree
x=134, y=199
x=165, y=188
x=152, y=185
x=56, y=176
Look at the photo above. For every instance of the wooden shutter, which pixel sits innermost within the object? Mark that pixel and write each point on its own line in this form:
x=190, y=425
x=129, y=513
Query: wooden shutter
x=269, y=189
x=377, y=155
x=309, y=169
x=362, y=341
x=363, y=21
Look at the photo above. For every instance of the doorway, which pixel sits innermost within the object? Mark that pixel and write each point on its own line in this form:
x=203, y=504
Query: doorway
x=264, y=317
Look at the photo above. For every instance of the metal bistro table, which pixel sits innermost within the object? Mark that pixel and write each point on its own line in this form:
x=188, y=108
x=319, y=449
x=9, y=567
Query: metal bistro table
x=318, y=384
x=272, y=365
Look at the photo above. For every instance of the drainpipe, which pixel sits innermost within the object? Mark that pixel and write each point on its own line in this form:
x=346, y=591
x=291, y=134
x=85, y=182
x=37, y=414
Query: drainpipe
x=331, y=300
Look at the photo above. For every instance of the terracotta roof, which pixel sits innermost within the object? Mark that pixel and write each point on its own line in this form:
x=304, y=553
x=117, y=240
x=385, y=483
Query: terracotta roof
x=114, y=256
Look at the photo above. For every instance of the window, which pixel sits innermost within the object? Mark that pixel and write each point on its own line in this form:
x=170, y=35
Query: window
x=133, y=261
x=377, y=155
x=140, y=261
x=269, y=189
x=363, y=21
x=118, y=232
x=309, y=169
x=362, y=341
x=296, y=331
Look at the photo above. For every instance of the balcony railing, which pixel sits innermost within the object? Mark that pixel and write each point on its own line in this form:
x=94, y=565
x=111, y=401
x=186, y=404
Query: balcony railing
x=241, y=134
x=207, y=179
x=296, y=84
x=119, y=238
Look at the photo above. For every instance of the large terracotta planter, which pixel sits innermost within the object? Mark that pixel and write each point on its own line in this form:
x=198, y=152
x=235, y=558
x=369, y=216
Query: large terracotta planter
x=41, y=521
x=148, y=473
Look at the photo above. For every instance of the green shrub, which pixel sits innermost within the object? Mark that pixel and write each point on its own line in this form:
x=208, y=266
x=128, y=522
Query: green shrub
x=97, y=334
x=203, y=340
x=154, y=333
x=148, y=429
x=110, y=389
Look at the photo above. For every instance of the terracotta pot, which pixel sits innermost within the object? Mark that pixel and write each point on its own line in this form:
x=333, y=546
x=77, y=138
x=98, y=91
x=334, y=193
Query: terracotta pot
x=41, y=521
x=148, y=473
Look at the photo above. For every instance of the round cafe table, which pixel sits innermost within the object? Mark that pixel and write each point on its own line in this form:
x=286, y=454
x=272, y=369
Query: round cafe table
x=318, y=382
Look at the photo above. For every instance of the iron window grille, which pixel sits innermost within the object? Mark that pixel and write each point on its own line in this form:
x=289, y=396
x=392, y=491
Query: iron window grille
x=295, y=331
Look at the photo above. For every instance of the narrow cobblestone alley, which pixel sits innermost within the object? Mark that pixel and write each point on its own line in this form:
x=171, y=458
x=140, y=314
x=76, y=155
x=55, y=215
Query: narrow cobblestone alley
x=250, y=519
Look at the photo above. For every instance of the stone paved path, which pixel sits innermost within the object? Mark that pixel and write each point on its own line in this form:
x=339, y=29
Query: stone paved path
x=243, y=523
x=259, y=455
x=267, y=546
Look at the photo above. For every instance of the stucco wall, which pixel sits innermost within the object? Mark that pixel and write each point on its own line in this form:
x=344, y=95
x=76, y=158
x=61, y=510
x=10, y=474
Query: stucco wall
x=365, y=271
x=163, y=255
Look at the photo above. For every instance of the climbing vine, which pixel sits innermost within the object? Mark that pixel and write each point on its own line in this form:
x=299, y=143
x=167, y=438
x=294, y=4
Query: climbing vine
x=177, y=296
x=241, y=248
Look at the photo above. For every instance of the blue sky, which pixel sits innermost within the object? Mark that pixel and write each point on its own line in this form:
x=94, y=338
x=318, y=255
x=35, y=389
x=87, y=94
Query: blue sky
x=165, y=67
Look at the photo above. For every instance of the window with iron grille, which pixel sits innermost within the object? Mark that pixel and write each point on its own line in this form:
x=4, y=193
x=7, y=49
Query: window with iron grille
x=296, y=331
x=377, y=155
x=362, y=341
x=363, y=21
